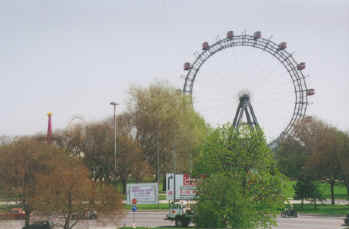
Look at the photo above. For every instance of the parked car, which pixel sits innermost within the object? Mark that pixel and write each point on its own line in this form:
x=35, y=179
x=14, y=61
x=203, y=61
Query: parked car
x=289, y=212
x=14, y=213
x=346, y=220
x=39, y=225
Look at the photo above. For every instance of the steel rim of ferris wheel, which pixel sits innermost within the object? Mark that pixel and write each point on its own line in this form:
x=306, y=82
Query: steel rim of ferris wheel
x=285, y=58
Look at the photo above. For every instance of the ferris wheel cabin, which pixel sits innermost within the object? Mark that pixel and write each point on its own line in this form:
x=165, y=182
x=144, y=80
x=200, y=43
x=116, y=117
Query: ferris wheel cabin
x=301, y=66
x=282, y=46
x=187, y=66
x=257, y=35
x=205, y=46
x=310, y=92
x=230, y=35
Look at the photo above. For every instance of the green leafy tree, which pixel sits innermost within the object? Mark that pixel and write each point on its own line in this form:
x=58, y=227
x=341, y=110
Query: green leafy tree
x=307, y=188
x=291, y=157
x=242, y=187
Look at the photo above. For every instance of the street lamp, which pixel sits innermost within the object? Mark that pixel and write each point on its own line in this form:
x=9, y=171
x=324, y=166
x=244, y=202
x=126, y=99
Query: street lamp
x=114, y=104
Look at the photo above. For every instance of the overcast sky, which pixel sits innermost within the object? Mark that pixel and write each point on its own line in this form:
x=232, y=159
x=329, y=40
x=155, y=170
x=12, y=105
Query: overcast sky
x=74, y=57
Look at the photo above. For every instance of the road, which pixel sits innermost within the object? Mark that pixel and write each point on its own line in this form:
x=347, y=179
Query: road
x=155, y=219
x=152, y=219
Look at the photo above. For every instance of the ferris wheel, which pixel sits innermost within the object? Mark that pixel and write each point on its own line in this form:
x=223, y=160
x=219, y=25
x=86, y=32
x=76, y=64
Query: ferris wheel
x=278, y=51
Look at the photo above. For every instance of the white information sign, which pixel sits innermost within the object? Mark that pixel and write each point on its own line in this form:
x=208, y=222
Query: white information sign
x=185, y=187
x=144, y=193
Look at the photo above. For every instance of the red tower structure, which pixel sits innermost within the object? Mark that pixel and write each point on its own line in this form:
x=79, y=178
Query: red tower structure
x=49, y=128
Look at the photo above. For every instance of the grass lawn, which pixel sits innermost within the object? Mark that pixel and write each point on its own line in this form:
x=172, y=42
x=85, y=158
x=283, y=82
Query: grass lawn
x=340, y=192
x=148, y=206
x=162, y=196
x=323, y=209
x=173, y=227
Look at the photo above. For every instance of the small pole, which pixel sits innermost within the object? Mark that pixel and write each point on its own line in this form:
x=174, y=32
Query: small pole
x=134, y=209
x=133, y=224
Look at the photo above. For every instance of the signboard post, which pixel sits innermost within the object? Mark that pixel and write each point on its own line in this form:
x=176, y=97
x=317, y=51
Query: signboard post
x=134, y=209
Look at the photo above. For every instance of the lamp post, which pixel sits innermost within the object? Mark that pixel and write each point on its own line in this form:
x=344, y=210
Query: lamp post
x=158, y=160
x=114, y=104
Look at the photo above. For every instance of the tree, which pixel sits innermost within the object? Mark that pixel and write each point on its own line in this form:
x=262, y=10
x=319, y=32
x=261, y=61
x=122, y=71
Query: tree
x=306, y=188
x=343, y=156
x=131, y=162
x=322, y=142
x=72, y=139
x=317, y=151
x=20, y=161
x=98, y=151
x=68, y=191
x=242, y=187
x=291, y=157
x=168, y=130
x=94, y=143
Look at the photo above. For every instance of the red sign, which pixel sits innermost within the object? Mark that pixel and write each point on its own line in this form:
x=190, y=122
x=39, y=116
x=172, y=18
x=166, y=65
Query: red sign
x=134, y=201
x=187, y=180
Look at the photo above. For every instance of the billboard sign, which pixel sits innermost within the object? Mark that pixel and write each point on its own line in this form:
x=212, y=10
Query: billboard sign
x=142, y=193
x=185, y=187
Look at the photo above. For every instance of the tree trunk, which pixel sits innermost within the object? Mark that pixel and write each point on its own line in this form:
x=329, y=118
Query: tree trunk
x=332, y=192
x=164, y=184
x=27, y=218
x=302, y=203
x=315, y=205
x=124, y=184
x=67, y=222
x=26, y=210
x=70, y=206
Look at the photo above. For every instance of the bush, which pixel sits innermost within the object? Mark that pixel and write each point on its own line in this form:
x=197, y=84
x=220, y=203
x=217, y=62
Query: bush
x=242, y=189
